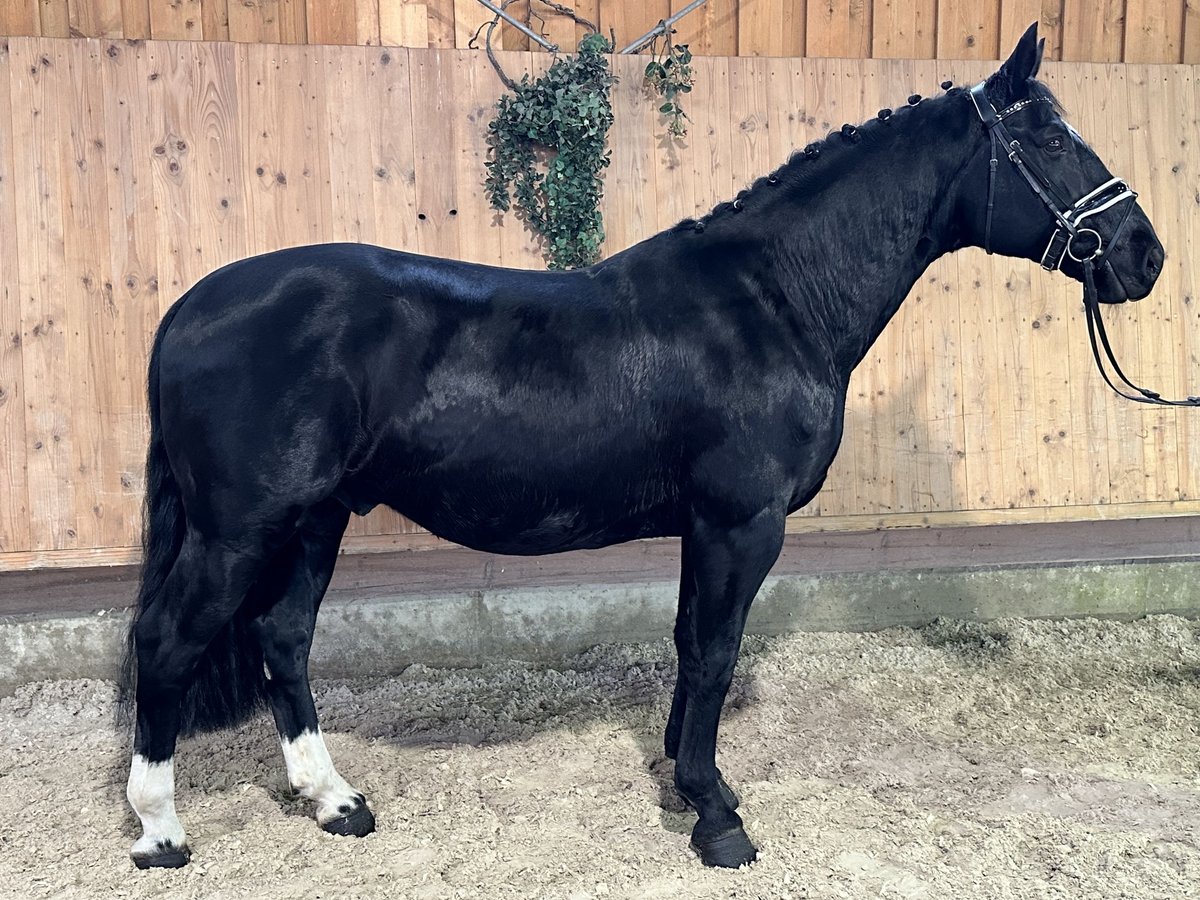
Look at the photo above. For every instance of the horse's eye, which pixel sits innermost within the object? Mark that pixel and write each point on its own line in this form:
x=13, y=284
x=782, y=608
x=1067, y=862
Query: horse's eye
x=1055, y=145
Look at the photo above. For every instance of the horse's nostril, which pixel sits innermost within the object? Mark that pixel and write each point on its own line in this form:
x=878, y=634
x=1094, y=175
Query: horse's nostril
x=1154, y=261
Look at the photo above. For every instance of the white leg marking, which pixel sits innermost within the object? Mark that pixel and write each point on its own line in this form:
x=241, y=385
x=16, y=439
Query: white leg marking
x=151, y=793
x=312, y=775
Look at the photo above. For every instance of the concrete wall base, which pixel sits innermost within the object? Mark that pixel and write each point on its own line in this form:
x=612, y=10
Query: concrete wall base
x=384, y=634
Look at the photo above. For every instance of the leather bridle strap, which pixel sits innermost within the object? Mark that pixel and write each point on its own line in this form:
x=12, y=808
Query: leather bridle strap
x=1067, y=230
x=1095, y=323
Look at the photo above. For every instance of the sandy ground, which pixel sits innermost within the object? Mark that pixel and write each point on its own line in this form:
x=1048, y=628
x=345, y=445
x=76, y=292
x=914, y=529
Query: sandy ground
x=1013, y=759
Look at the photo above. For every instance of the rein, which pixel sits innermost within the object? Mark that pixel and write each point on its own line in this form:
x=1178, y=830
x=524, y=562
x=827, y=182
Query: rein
x=1068, y=230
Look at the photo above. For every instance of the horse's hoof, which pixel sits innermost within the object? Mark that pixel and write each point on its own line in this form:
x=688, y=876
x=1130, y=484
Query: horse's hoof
x=164, y=856
x=358, y=822
x=726, y=851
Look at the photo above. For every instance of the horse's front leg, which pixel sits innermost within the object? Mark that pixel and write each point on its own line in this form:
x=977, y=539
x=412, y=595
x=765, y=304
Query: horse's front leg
x=723, y=567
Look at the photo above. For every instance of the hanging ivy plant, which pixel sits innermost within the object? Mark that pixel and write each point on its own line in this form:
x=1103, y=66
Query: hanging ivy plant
x=548, y=146
x=670, y=74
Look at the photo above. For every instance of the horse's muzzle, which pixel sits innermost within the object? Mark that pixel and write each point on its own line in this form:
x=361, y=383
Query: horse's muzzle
x=1131, y=270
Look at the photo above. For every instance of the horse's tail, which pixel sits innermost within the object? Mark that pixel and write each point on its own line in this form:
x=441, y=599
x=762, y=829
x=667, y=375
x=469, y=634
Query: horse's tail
x=229, y=683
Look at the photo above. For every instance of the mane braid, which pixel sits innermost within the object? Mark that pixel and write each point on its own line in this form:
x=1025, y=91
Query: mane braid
x=842, y=138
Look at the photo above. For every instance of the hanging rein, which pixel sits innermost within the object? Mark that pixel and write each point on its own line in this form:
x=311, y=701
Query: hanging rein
x=1071, y=236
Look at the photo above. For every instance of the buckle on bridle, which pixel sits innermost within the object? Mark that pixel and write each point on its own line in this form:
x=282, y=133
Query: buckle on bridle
x=1055, y=250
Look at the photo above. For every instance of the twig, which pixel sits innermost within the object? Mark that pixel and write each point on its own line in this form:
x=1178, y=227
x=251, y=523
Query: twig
x=519, y=25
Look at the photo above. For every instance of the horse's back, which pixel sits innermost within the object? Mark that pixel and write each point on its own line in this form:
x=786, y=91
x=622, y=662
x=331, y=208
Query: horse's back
x=504, y=409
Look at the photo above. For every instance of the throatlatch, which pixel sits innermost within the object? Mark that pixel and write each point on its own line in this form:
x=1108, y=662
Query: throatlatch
x=1071, y=237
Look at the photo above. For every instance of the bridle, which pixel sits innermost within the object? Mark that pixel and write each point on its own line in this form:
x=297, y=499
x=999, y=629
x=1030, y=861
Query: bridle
x=1071, y=236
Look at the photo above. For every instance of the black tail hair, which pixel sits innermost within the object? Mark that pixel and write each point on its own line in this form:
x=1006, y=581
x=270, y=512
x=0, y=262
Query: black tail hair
x=229, y=682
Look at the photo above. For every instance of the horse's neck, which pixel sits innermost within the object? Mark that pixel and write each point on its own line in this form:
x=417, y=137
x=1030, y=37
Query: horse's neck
x=857, y=246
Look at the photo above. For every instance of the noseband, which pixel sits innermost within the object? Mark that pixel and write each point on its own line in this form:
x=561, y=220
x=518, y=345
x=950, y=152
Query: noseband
x=1071, y=237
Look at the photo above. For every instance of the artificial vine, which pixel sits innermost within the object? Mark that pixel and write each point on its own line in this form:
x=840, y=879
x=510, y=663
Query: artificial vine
x=670, y=74
x=549, y=139
x=562, y=117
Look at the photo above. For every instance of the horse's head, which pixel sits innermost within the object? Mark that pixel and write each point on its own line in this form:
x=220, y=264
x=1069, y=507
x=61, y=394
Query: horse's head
x=1053, y=200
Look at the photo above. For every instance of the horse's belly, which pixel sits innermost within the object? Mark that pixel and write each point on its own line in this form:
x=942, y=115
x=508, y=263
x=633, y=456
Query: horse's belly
x=527, y=515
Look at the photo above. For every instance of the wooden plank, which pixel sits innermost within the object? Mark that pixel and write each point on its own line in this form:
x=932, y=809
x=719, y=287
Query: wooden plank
x=135, y=19
x=839, y=28
x=91, y=18
x=478, y=88
x=332, y=21
x=19, y=18
x=712, y=29
x=631, y=20
x=391, y=137
x=1088, y=397
x=252, y=21
x=1050, y=28
x=441, y=23
x=366, y=20
x=630, y=202
x=560, y=29
x=967, y=30
x=176, y=20
x=293, y=22
x=1016, y=16
x=39, y=77
x=751, y=138
x=403, y=24
x=1129, y=465
x=760, y=28
x=218, y=162
x=92, y=332
x=710, y=157
x=1177, y=233
x=468, y=16
x=1093, y=30
x=285, y=179
x=433, y=96
x=215, y=20
x=904, y=29
x=14, y=498
x=1154, y=172
x=53, y=18
x=350, y=157
x=1154, y=31
x=166, y=77
x=133, y=251
x=1191, y=33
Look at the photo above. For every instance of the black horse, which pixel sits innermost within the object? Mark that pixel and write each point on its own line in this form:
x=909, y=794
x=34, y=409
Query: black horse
x=692, y=385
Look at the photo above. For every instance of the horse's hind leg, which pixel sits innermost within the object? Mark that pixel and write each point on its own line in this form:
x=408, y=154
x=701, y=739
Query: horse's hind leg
x=286, y=599
x=206, y=585
x=723, y=568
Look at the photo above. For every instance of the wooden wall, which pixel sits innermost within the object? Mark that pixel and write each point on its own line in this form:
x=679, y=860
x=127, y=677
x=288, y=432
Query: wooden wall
x=129, y=171
x=1141, y=31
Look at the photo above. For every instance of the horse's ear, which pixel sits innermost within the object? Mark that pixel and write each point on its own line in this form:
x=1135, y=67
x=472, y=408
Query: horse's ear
x=1008, y=84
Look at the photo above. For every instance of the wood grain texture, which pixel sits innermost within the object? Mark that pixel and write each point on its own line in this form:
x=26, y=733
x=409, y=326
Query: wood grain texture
x=1154, y=31
x=904, y=29
x=1160, y=31
x=176, y=20
x=968, y=30
x=1093, y=30
x=144, y=166
x=14, y=498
